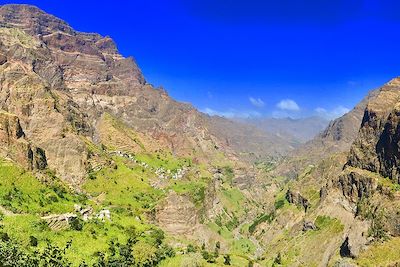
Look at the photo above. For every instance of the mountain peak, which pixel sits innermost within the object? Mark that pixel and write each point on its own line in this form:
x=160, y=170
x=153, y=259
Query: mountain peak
x=394, y=82
x=31, y=19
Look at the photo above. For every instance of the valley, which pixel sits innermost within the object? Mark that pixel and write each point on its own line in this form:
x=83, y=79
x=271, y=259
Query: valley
x=99, y=168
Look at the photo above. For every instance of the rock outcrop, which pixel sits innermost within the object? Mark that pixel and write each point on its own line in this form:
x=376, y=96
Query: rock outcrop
x=177, y=215
x=15, y=146
x=356, y=184
x=60, y=222
x=297, y=199
x=376, y=148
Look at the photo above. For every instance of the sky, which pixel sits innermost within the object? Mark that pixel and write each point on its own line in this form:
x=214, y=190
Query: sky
x=251, y=58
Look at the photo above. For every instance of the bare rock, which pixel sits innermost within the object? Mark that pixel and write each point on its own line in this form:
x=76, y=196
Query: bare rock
x=376, y=147
x=177, y=215
x=323, y=193
x=59, y=222
x=104, y=215
x=356, y=184
x=3, y=59
x=14, y=144
x=297, y=199
x=355, y=242
x=309, y=226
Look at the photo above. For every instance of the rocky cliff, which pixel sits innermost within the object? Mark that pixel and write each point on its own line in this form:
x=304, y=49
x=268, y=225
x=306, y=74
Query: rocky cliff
x=376, y=147
x=15, y=146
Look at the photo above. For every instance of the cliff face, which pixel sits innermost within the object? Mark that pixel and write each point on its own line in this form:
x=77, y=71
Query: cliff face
x=376, y=148
x=15, y=146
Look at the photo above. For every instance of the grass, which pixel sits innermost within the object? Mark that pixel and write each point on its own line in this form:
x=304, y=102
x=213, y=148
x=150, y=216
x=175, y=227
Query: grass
x=125, y=189
x=233, y=199
x=242, y=246
x=124, y=186
x=296, y=248
x=194, y=189
x=126, y=193
x=381, y=254
x=21, y=192
x=263, y=218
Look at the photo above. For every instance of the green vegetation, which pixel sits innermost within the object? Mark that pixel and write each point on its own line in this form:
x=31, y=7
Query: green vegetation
x=381, y=254
x=124, y=186
x=21, y=192
x=376, y=215
x=295, y=247
x=194, y=189
x=263, y=218
x=125, y=191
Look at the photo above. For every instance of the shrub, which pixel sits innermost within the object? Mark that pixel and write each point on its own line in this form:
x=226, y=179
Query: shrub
x=33, y=241
x=190, y=249
x=76, y=224
x=227, y=259
x=279, y=203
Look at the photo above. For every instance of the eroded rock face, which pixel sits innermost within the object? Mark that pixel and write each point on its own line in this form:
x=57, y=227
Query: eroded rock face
x=59, y=222
x=177, y=215
x=14, y=145
x=353, y=244
x=376, y=148
x=297, y=199
x=355, y=185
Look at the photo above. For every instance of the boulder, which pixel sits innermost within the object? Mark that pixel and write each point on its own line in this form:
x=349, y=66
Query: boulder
x=3, y=59
x=309, y=226
x=104, y=215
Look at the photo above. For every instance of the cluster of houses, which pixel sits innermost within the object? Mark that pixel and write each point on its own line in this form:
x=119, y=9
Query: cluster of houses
x=162, y=173
x=63, y=221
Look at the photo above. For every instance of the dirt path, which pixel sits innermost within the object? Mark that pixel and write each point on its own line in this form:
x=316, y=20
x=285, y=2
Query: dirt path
x=6, y=211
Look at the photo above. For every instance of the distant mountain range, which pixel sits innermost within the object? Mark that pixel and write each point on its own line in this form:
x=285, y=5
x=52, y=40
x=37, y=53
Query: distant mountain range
x=296, y=130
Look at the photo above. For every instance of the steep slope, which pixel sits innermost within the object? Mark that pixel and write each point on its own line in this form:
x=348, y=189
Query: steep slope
x=376, y=146
x=340, y=133
x=249, y=141
x=350, y=183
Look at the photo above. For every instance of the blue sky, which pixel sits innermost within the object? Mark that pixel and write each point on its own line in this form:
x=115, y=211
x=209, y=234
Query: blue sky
x=251, y=57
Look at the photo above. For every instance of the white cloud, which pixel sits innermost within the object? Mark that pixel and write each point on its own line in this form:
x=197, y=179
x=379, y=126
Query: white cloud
x=232, y=113
x=331, y=114
x=257, y=102
x=288, y=104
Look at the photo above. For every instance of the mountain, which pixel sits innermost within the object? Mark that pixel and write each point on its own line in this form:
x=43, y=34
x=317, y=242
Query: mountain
x=74, y=79
x=348, y=172
x=298, y=130
x=99, y=168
